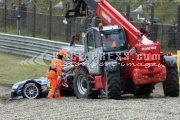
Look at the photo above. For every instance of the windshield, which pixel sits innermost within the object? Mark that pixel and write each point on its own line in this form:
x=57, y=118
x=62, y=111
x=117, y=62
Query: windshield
x=113, y=40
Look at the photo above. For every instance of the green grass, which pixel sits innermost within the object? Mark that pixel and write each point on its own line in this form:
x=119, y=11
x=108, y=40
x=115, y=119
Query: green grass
x=11, y=70
x=39, y=34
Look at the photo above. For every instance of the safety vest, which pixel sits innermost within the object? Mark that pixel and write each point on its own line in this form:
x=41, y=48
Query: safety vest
x=55, y=68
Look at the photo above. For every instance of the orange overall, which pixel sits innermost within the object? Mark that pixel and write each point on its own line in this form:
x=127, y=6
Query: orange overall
x=53, y=74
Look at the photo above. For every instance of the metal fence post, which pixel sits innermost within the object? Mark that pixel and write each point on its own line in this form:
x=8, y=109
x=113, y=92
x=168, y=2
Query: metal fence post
x=178, y=29
x=5, y=15
x=152, y=23
x=34, y=18
x=50, y=19
x=128, y=12
x=19, y=18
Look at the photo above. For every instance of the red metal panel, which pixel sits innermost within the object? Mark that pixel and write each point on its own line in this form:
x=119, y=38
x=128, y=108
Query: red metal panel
x=144, y=76
x=98, y=82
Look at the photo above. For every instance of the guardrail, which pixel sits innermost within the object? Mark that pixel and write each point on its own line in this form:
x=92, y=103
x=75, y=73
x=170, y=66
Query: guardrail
x=30, y=46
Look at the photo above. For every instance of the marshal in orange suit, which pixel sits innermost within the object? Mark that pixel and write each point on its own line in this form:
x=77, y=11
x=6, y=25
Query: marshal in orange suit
x=54, y=74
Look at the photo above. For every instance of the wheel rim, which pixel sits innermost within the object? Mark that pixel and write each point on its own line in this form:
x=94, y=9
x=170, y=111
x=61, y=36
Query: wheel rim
x=31, y=91
x=82, y=84
x=103, y=92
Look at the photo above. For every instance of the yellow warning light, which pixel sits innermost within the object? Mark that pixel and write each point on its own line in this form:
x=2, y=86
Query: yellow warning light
x=100, y=26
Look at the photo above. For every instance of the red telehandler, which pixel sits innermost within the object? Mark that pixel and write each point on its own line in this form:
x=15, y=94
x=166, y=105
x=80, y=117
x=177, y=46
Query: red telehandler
x=119, y=58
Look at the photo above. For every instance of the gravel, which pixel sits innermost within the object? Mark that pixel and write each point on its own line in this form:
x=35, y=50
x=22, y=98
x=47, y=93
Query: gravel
x=68, y=108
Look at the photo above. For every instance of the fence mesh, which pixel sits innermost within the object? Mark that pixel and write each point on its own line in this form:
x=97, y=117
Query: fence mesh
x=164, y=29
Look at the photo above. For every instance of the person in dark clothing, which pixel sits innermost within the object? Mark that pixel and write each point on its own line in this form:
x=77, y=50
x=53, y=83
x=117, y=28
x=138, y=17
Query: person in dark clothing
x=79, y=6
x=74, y=38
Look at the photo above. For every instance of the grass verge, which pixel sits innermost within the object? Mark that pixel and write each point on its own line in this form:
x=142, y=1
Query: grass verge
x=12, y=71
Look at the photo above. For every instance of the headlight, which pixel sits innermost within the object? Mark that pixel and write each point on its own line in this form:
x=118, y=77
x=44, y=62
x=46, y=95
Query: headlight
x=15, y=86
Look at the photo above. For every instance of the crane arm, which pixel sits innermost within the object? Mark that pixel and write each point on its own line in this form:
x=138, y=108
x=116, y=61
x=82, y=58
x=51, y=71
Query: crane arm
x=112, y=17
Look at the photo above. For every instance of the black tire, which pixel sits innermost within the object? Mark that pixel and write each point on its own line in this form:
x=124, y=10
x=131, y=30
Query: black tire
x=69, y=83
x=34, y=87
x=113, y=84
x=171, y=85
x=144, y=90
x=68, y=91
x=83, y=86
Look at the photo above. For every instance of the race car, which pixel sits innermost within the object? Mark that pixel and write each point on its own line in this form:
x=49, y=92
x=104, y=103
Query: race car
x=36, y=88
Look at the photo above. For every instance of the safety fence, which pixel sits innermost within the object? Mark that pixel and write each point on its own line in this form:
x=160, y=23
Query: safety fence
x=166, y=34
x=30, y=46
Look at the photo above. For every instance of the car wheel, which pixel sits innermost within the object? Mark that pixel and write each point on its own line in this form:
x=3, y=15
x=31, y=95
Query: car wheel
x=31, y=91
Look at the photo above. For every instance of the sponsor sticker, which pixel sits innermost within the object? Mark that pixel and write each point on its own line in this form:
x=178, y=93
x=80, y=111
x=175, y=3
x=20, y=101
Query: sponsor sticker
x=106, y=16
x=149, y=48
